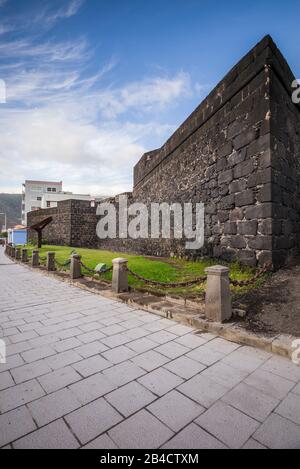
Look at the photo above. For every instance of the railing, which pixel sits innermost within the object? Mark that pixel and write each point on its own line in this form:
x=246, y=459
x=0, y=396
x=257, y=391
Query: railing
x=217, y=278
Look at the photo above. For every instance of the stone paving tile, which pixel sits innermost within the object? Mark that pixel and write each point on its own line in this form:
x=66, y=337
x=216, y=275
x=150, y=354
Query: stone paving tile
x=175, y=410
x=150, y=360
x=222, y=346
x=13, y=349
x=90, y=349
x=172, y=350
x=59, y=379
x=56, y=435
x=290, y=408
x=194, y=437
x=185, y=367
x=89, y=389
x=270, y=384
x=130, y=398
x=243, y=360
x=91, y=366
x=103, y=442
x=90, y=326
x=140, y=431
x=88, y=337
x=160, y=381
x=137, y=333
x=39, y=342
x=118, y=354
x=281, y=367
x=19, y=395
x=6, y=380
x=123, y=373
x=252, y=444
x=23, y=337
x=296, y=390
x=224, y=374
x=115, y=340
x=180, y=329
x=60, y=360
x=37, y=354
x=278, y=433
x=30, y=371
x=11, y=363
x=93, y=419
x=67, y=333
x=162, y=337
x=191, y=341
x=251, y=401
x=142, y=345
x=52, y=407
x=67, y=344
x=204, y=355
x=203, y=390
x=15, y=424
x=114, y=329
x=229, y=425
x=131, y=323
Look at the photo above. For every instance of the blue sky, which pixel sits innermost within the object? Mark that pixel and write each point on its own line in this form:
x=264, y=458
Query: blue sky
x=93, y=84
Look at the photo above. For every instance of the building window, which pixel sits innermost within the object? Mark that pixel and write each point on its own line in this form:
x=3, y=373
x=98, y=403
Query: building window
x=48, y=204
x=53, y=189
x=49, y=189
x=39, y=199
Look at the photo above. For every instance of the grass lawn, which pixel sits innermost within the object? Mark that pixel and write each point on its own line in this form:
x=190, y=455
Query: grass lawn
x=159, y=269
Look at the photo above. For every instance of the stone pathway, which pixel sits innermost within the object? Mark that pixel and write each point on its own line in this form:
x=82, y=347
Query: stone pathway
x=84, y=371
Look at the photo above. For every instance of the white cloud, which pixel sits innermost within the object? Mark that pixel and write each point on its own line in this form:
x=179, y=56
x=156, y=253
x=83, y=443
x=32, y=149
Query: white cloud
x=61, y=121
x=49, y=143
x=49, y=16
x=45, y=52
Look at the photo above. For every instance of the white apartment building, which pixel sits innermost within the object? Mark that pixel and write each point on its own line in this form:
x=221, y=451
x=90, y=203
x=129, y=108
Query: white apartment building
x=51, y=200
x=32, y=195
x=45, y=194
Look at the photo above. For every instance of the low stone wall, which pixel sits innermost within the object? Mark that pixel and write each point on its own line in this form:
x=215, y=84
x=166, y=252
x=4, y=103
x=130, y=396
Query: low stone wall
x=74, y=224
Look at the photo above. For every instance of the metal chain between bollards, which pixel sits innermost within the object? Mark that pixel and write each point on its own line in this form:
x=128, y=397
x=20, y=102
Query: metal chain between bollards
x=244, y=283
x=62, y=264
x=93, y=271
x=187, y=283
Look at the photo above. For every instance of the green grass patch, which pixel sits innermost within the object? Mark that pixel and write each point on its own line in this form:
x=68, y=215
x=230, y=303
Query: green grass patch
x=158, y=269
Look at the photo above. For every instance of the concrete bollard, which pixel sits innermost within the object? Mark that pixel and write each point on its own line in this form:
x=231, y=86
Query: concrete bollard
x=51, y=261
x=35, y=260
x=218, y=298
x=120, y=275
x=24, y=256
x=18, y=254
x=75, y=267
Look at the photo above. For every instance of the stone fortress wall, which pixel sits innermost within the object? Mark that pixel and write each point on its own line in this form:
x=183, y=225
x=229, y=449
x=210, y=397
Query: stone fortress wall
x=239, y=154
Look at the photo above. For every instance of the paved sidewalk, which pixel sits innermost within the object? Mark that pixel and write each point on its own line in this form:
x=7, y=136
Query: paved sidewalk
x=85, y=371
